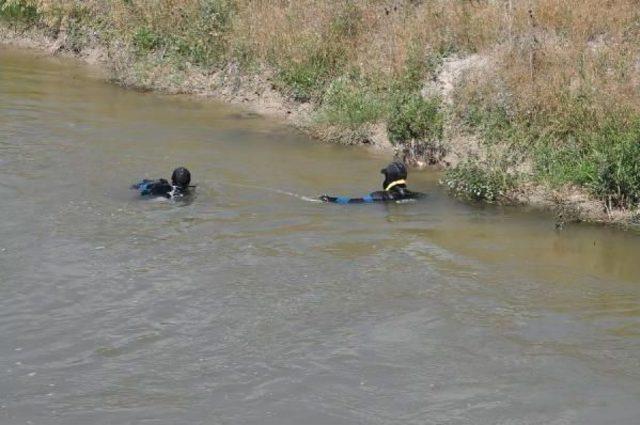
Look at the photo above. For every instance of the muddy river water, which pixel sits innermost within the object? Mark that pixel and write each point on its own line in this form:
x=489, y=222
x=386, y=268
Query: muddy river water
x=252, y=305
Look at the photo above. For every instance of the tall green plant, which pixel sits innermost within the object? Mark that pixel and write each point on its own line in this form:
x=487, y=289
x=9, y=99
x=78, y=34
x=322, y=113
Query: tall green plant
x=18, y=11
x=415, y=118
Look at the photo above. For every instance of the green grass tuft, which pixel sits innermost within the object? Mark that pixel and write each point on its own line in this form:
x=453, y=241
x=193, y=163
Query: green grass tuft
x=306, y=80
x=605, y=160
x=413, y=118
x=351, y=104
x=479, y=183
x=18, y=11
x=146, y=40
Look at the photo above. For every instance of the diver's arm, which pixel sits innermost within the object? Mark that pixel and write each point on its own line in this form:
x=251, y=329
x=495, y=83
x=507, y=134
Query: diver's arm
x=140, y=184
x=341, y=200
x=159, y=187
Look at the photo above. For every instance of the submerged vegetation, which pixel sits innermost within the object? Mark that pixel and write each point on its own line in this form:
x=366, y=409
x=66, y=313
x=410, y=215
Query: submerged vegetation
x=554, y=99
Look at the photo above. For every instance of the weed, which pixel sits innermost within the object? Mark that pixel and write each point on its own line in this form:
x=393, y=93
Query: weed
x=306, y=79
x=416, y=69
x=606, y=161
x=347, y=23
x=303, y=80
x=18, y=11
x=413, y=118
x=477, y=182
x=351, y=104
x=618, y=164
x=145, y=40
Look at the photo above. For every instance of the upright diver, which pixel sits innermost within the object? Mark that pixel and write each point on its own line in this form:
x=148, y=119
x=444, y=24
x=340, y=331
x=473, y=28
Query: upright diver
x=394, y=185
x=179, y=186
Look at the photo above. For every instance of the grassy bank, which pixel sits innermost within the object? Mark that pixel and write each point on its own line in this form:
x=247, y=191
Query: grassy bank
x=508, y=95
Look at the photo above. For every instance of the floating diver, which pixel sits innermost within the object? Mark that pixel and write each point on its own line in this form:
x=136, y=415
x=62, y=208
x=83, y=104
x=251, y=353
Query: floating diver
x=394, y=185
x=178, y=188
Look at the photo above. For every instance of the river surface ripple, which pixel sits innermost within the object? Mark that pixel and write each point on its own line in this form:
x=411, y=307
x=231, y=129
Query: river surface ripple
x=252, y=306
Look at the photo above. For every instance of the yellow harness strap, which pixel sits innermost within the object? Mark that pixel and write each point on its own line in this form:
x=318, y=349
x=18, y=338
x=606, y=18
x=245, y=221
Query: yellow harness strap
x=395, y=183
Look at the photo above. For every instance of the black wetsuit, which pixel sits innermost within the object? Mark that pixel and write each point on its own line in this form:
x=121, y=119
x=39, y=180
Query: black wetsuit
x=398, y=192
x=160, y=188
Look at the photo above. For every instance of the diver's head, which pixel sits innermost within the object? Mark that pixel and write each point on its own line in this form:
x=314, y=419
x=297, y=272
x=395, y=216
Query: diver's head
x=181, y=177
x=393, y=172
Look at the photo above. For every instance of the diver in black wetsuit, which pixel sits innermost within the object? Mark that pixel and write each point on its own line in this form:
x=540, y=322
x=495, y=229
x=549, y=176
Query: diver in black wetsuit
x=179, y=186
x=394, y=185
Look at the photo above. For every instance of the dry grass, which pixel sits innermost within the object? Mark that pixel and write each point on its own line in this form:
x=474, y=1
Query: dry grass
x=377, y=36
x=543, y=43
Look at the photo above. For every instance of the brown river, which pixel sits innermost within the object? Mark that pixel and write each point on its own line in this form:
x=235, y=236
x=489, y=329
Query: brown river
x=250, y=304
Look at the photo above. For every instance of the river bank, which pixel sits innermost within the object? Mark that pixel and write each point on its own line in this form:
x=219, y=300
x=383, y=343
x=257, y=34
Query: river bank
x=435, y=111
